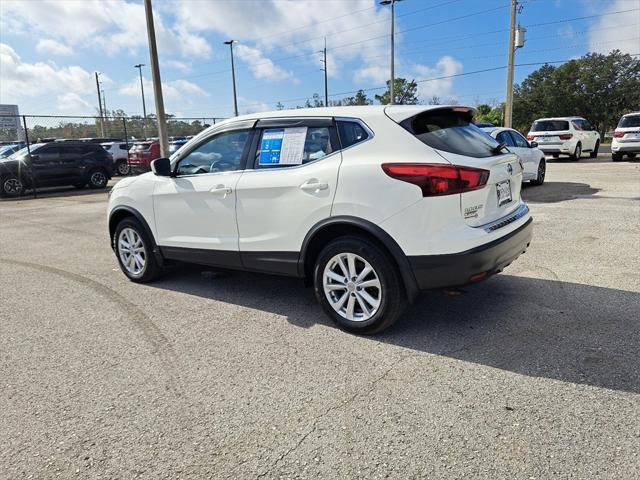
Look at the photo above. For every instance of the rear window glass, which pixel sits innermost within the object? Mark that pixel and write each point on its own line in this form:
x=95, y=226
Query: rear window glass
x=452, y=131
x=549, y=125
x=630, y=121
x=141, y=146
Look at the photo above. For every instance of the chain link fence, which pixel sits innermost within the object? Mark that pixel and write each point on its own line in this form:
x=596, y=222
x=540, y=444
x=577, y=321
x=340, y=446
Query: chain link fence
x=18, y=132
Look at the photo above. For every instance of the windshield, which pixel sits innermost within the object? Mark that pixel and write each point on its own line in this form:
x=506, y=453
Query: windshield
x=452, y=131
x=549, y=125
x=629, y=121
x=24, y=151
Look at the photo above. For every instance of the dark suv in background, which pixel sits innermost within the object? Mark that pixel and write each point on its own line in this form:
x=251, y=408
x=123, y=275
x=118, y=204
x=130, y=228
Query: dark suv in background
x=55, y=164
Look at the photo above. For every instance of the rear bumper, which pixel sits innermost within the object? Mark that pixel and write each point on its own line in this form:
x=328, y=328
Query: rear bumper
x=139, y=167
x=555, y=149
x=453, y=270
x=631, y=147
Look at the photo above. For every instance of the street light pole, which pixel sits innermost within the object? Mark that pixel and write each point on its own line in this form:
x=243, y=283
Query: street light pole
x=508, y=104
x=157, y=84
x=144, y=106
x=393, y=21
x=233, y=77
x=326, y=86
x=100, y=104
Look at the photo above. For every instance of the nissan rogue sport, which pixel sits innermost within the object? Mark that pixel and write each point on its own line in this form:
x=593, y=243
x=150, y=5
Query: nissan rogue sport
x=369, y=204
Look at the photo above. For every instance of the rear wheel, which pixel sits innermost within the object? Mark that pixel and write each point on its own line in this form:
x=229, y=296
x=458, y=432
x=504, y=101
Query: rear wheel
x=577, y=153
x=122, y=168
x=358, y=285
x=616, y=157
x=594, y=153
x=98, y=179
x=11, y=186
x=556, y=155
x=542, y=171
x=134, y=251
x=631, y=155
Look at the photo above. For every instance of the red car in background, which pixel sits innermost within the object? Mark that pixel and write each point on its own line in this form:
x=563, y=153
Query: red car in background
x=141, y=154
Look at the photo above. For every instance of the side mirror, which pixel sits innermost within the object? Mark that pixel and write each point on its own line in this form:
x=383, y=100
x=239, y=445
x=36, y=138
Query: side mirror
x=533, y=144
x=161, y=167
x=33, y=156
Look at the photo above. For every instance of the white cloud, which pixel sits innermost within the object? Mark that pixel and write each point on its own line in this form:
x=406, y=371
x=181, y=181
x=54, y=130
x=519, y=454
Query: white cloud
x=261, y=66
x=251, y=106
x=619, y=31
x=374, y=73
x=183, y=67
x=176, y=93
x=445, y=67
x=21, y=80
x=112, y=26
x=74, y=104
x=53, y=47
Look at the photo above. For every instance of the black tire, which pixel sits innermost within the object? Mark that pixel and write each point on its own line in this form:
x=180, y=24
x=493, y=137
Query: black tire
x=631, y=155
x=391, y=294
x=98, y=178
x=152, y=268
x=594, y=153
x=577, y=153
x=616, y=157
x=122, y=168
x=555, y=155
x=542, y=172
x=11, y=186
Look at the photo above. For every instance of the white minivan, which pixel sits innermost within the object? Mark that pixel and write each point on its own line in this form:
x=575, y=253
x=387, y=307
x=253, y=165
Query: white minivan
x=368, y=204
x=571, y=136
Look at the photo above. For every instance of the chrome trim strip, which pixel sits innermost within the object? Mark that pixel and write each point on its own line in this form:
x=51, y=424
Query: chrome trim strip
x=521, y=211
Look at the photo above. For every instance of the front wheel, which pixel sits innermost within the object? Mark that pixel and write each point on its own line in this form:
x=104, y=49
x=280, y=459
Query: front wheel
x=577, y=153
x=134, y=251
x=122, y=168
x=542, y=171
x=594, y=152
x=358, y=285
x=11, y=186
x=616, y=157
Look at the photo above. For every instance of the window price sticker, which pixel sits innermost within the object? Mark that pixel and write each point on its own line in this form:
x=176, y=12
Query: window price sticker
x=283, y=146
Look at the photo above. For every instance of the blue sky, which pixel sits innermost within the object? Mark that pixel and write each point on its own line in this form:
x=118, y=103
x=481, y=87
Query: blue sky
x=50, y=49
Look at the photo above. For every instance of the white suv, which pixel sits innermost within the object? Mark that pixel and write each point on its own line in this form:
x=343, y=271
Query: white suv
x=626, y=137
x=369, y=204
x=565, y=135
x=120, y=153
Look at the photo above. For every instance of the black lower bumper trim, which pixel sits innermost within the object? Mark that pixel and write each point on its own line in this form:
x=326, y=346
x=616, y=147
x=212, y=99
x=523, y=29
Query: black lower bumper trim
x=454, y=270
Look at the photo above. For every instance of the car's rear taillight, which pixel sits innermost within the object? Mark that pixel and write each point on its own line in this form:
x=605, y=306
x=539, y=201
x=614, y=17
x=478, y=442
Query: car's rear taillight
x=530, y=137
x=618, y=134
x=566, y=136
x=438, y=179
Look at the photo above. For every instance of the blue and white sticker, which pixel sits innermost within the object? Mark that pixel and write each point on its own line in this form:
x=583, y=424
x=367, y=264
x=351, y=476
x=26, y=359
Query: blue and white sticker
x=282, y=146
x=271, y=147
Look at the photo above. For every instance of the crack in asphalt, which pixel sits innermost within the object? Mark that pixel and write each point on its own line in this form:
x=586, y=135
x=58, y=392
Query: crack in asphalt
x=316, y=419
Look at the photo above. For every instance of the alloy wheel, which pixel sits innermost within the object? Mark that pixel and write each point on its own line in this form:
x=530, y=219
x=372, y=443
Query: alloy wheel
x=12, y=186
x=352, y=287
x=98, y=179
x=131, y=251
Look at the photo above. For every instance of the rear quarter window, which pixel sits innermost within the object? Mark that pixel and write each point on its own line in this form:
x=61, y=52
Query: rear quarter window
x=451, y=131
x=351, y=133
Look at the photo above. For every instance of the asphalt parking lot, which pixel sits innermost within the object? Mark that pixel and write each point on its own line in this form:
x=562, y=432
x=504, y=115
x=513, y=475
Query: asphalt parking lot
x=532, y=374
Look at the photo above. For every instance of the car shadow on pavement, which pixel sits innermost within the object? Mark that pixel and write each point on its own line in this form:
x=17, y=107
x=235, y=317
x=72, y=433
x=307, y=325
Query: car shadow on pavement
x=551, y=192
x=541, y=328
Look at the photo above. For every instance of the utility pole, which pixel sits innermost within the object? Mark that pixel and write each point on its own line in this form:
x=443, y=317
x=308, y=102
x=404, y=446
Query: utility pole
x=100, y=104
x=144, y=107
x=393, y=21
x=508, y=104
x=233, y=77
x=106, y=114
x=157, y=83
x=326, y=87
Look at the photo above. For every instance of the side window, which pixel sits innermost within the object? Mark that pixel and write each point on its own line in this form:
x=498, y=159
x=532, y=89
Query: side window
x=72, y=150
x=123, y=146
x=290, y=146
x=49, y=151
x=220, y=153
x=586, y=125
x=519, y=139
x=351, y=133
x=576, y=124
x=504, y=137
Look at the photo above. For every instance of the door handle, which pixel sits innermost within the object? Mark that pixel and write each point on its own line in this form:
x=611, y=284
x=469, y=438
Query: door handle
x=314, y=186
x=221, y=190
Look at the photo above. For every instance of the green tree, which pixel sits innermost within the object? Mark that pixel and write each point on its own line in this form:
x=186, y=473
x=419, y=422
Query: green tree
x=404, y=92
x=360, y=98
x=488, y=114
x=600, y=88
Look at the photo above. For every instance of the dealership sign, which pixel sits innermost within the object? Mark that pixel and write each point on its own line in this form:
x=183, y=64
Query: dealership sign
x=9, y=117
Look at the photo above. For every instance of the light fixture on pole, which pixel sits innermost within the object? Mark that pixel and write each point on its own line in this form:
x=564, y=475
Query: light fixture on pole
x=233, y=77
x=393, y=21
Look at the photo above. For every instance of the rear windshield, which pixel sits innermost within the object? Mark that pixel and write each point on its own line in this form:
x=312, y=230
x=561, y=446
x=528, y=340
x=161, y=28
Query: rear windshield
x=629, y=121
x=141, y=146
x=549, y=125
x=452, y=131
